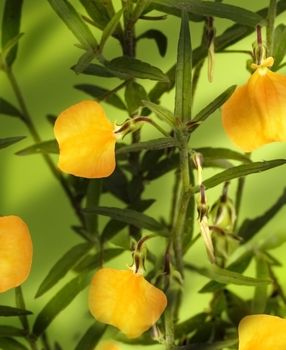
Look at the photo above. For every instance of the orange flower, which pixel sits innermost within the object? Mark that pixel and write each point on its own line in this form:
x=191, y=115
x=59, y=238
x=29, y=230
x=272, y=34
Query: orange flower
x=86, y=140
x=262, y=332
x=125, y=300
x=255, y=114
x=15, y=252
x=107, y=345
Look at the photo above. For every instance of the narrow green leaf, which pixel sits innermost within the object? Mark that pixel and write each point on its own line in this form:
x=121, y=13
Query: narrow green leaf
x=161, y=143
x=8, y=311
x=8, y=109
x=102, y=94
x=95, y=69
x=92, y=262
x=183, y=86
x=20, y=303
x=226, y=276
x=239, y=265
x=141, y=5
x=209, y=8
x=10, y=46
x=219, y=345
x=99, y=11
x=11, y=20
x=10, y=141
x=134, y=95
x=279, y=45
x=159, y=37
x=214, y=105
x=50, y=146
x=239, y=171
x=94, y=189
x=109, y=29
x=11, y=344
x=91, y=337
x=59, y=302
x=222, y=153
x=161, y=112
x=252, y=226
x=134, y=68
x=131, y=217
x=74, y=22
x=62, y=267
x=190, y=325
x=10, y=331
x=84, y=61
x=260, y=293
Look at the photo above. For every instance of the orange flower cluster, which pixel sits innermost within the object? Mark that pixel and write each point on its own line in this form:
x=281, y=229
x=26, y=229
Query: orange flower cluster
x=255, y=114
x=15, y=251
x=124, y=299
x=262, y=332
x=86, y=141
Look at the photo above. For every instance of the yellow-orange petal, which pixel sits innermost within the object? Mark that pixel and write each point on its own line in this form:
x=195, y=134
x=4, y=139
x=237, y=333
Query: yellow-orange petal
x=255, y=113
x=86, y=141
x=107, y=345
x=15, y=252
x=262, y=332
x=125, y=300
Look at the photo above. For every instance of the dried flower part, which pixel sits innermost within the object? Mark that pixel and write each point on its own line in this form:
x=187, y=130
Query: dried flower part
x=262, y=332
x=255, y=114
x=125, y=300
x=15, y=252
x=107, y=345
x=86, y=140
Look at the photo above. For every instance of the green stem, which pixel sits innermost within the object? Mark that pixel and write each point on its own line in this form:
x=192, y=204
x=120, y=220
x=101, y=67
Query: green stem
x=169, y=328
x=270, y=26
x=26, y=117
x=238, y=199
x=20, y=303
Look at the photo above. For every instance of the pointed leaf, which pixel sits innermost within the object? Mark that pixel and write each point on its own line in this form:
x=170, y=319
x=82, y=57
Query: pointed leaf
x=161, y=143
x=74, y=22
x=92, y=337
x=42, y=147
x=8, y=109
x=8, y=311
x=208, y=8
x=10, y=331
x=102, y=94
x=84, y=61
x=226, y=276
x=239, y=171
x=259, y=301
x=10, y=141
x=10, y=27
x=183, y=92
x=214, y=105
x=95, y=69
x=11, y=344
x=134, y=68
x=131, y=217
x=62, y=267
x=59, y=302
x=10, y=46
x=100, y=11
x=279, y=45
x=252, y=226
x=161, y=112
x=190, y=325
x=159, y=37
x=134, y=95
x=109, y=29
x=222, y=153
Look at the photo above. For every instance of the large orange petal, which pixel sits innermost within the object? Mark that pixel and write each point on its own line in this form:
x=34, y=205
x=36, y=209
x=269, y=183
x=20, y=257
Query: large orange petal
x=86, y=141
x=125, y=300
x=15, y=252
x=262, y=332
x=255, y=113
x=107, y=345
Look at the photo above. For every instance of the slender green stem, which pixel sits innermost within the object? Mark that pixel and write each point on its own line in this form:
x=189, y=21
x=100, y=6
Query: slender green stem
x=270, y=26
x=169, y=328
x=238, y=199
x=20, y=303
x=33, y=131
x=174, y=198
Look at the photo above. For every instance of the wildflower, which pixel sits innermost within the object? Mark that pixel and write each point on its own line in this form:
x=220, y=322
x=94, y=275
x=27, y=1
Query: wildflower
x=124, y=299
x=107, y=345
x=255, y=114
x=86, y=141
x=15, y=251
x=262, y=332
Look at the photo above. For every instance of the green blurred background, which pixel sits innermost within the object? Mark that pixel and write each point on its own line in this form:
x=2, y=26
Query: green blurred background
x=28, y=189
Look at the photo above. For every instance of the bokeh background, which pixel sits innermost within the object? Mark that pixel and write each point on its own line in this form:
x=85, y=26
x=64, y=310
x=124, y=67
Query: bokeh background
x=27, y=188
